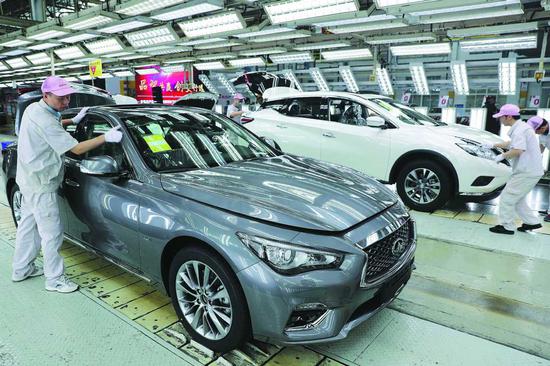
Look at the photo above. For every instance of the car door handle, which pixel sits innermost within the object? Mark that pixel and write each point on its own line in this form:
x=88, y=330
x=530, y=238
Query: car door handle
x=328, y=134
x=71, y=183
x=281, y=126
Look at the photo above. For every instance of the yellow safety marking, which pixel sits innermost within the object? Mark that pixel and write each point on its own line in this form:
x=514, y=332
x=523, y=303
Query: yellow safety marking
x=78, y=259
x=158, y=319
x=143, y=305
x=445, y=213
x=100, y=274
x=86, y=267
x=127, y=294
x=70, y=251
x=112, y=284
x=469, y=216
x=197, y=351
x=331, y=362
x=175, y=334
x=489, y=219
x=298, y=356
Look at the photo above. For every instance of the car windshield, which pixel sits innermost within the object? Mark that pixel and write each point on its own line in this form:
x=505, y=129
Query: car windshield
x=179, y=140
x=405, y=114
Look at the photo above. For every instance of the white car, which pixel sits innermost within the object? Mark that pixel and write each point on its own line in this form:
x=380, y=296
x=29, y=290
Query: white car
x=431, y=162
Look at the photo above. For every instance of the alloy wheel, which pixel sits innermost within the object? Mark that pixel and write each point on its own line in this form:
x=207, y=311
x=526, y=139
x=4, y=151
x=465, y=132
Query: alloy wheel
x=422, y=185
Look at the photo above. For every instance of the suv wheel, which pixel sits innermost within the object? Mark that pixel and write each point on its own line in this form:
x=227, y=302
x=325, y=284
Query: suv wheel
x=16, y=198
x=208, y=299
x=424, y=185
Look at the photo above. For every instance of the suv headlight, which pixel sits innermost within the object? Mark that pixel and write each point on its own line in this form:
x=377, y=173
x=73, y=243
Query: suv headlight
x=288, y=258
x=476, y=149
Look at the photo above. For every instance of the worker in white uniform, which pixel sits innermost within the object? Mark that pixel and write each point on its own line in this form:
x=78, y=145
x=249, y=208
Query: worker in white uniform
x=526, y=159
x=234, y=110
x=540, y=125
x=40, y=153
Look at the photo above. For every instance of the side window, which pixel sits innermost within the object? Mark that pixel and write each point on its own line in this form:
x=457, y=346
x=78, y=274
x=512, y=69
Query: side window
x=277, y=105
x=348, y=112
x=313, y=108
x=88, y=100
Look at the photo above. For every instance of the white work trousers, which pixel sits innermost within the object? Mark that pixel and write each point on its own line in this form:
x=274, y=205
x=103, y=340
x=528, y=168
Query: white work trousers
x=513, y=201
x=40, y=226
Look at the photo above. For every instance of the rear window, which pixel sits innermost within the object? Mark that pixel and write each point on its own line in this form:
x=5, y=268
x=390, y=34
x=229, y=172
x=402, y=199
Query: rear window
x=276, y=105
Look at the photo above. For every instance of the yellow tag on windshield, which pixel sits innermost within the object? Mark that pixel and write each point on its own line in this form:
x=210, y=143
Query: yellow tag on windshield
x=156, y=143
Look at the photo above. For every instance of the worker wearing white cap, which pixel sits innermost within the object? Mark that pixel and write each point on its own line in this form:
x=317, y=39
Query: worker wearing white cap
x=540, y=125
x=41, y=146
x=526, y=159
x=234, y=110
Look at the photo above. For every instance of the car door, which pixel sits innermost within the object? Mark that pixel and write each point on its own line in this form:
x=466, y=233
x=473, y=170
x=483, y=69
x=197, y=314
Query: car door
x=347, y=140
x=102, y=211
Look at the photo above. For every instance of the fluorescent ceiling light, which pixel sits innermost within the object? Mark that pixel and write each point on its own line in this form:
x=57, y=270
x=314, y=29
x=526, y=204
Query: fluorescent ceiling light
x=103, y=46
x=209, y=46
x=493, y=30
x=366, y=27
x=132, y=57
x=384, y=81
x=500, y=44
x=71, y=78
x=448, y=15
x=421, y=49
x=460, y=77
x=48, y=33
x=17, y=63
x=150, y=37
x=263, y=51
x=43, y=46
x=164, y=50
x=216, y=65
x=78, y=37
x=246, y=62
x=106, y=75
x=219, y=23
x=39, y=58
x=76, y=66
x=349, y=54
x=206, y=81
x=172, y=69
x=150, y=71
x=90, y=21
x=321, y=45
x=355, y=20
x=419, y=78
x=201, y=41
x=226, y=84
x=135, y=7
x=264, y=32
x=15, y=52
x=289, y=74
x=402, y=38
x=319, y=79
x=85, y=77
x=380, y=4
x=17, y=42
x=281, y=36
x=126, y=25
x=216, y=56
x=507, y=77
x=188, y=9
x=292, y=10
x=69, y=53
x=347, y=75
x=118, y=54
x=180, y=61
x=292, y=57
x=473, y=7
x=123, y=74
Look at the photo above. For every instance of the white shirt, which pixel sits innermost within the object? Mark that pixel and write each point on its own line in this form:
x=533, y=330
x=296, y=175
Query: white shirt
x=40, y=148
x=544, y=140
x=230, y=109
x=530, y=161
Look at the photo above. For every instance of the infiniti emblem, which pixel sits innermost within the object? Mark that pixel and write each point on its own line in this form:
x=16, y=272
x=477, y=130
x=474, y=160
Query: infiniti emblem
x=398, y=247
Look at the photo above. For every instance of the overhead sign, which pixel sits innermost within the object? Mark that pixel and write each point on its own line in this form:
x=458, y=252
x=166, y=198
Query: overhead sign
x=96, y=68
x=406, y=98
x=534, y=101
x=173, y=86
x=444, y=101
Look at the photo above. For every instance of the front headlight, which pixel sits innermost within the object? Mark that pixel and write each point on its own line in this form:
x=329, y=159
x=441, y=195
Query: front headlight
x=476, y=149
x=288, y=258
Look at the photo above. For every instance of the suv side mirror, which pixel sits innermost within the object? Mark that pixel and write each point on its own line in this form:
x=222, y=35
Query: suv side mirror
x=376, y=122
x=100, y=165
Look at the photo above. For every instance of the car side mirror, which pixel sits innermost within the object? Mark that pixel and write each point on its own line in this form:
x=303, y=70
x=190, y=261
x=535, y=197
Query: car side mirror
x=100, y=166
x=376, y=122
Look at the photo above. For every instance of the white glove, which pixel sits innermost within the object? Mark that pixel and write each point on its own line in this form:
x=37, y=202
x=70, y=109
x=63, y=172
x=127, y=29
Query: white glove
x=80, y=115
x=488, y=146
x=113, y=135
x=499, y=158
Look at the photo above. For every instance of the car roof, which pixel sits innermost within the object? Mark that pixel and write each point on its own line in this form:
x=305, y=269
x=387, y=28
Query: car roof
x=328, y=94
x=122, y=110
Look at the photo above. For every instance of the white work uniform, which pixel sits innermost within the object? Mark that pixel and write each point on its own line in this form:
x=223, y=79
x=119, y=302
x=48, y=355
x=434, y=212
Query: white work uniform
x=544, y=140
x=526, y=172
x=41, y=146
x=230, y=109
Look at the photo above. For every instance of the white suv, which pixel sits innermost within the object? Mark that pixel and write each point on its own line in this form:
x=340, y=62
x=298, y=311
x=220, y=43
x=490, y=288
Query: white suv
x=431, y=162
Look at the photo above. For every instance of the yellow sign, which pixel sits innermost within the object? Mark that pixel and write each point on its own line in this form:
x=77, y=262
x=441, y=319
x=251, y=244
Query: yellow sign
x=96, y=69
x=156, y=143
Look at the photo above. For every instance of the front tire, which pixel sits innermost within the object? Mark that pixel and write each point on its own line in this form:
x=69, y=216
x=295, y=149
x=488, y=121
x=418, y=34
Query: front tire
x=424, y=185
x=208, y=299
x=16, y=198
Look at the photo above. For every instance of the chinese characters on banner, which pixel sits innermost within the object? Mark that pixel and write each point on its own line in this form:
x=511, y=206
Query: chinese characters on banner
x=174, y=86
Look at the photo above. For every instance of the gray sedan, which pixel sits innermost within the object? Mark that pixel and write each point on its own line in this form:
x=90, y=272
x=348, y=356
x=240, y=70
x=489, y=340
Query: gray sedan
x=247, y=241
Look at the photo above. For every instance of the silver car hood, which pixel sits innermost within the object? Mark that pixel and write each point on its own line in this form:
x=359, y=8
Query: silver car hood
x=286, y=190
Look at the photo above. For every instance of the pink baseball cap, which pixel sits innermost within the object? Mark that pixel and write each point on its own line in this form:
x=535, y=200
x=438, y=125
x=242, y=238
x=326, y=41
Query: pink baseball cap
x=57, y=86
x=535, y=122
x=238, y=96
x=507, y=110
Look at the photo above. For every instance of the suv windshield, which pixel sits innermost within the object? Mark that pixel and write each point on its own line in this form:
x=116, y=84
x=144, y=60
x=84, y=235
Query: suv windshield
x=178, y=140
x=405, y=114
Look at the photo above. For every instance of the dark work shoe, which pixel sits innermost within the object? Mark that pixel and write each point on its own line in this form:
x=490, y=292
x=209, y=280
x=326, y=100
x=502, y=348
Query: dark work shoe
x=547, y=218
x=499, y=229
x=526, y=227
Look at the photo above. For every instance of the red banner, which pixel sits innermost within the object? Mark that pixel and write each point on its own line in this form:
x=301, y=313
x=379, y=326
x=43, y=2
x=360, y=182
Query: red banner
x=173, y=86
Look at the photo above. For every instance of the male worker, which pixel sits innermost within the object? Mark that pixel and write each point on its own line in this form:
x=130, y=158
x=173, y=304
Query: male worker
x=540, y=125
x=526, y=159
x=41, y=146
x=234, y=110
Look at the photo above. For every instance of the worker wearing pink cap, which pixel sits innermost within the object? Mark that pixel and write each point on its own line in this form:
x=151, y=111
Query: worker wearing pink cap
x=526, y=159
x=234, y=110
x=40, y=154
x=541, y=128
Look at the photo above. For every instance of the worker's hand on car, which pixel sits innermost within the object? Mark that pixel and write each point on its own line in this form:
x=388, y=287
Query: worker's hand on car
x=78, y=118
x=113, y=135
x=488, y=146
x=499, y=158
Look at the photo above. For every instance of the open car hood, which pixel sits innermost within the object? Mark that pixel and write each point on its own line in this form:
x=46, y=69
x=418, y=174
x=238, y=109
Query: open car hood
x=202, y=100
x=259, y=82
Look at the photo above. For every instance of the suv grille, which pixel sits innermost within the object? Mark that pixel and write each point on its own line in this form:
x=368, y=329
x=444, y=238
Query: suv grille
x=385, y=254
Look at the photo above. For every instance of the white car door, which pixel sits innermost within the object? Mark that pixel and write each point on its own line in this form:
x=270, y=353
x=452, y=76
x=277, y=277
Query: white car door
x=347, y=140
